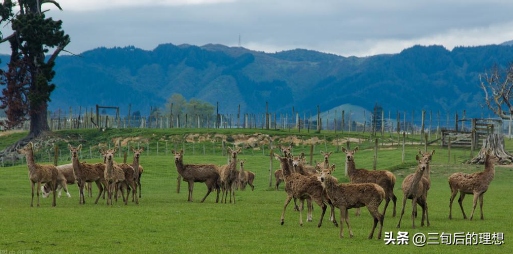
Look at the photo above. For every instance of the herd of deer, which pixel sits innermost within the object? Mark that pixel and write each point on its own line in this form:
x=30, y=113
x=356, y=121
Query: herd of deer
x=304, y=182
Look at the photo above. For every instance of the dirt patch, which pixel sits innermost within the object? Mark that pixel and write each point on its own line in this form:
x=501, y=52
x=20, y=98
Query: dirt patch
x=7, y=133
x=124, y=141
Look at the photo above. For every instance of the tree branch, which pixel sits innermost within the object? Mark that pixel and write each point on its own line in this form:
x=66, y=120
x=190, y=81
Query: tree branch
x=7, y=38
x=57, y=51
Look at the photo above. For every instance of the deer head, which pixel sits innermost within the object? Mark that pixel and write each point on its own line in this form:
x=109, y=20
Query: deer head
x=349, y=153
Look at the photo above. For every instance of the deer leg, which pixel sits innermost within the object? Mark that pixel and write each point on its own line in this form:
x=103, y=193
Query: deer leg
x=426, y=212
x=387, y=200
x=394, y=199
x=332, y=213
x=64, y=186
x=233, y=189
x=287, y=201
x=191, y=185
x=347, y=223
x=140, y=188
x=402, y=212
x=342, y=220
x=134, y=193
x=481, y=205
x=100, y=190
x=218, y=190
x=453, y=195
x=296, y=208
x=358, y=212
x=323, y=207
x=38, y=187
x=54, y=190
x=32, y=202
x=301, y=206
x=423, y=206
x=460, y=201
x=414, y=210
x=252, y=186
x=375, y=214
x=209, y=189
x=476, y=197
x=309, y=209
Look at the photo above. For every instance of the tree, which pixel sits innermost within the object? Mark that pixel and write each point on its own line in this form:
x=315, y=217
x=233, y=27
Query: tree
x=497, y=85
x=30, y=72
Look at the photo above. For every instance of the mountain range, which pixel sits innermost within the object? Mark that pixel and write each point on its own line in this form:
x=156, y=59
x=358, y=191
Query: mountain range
x=420, y=77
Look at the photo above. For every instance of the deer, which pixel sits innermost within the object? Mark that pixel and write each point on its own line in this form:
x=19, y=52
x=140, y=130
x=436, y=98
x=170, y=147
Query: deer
x=245, y=177
x=65, y=172
x=39, y=173
x=228, y=176
x=415, y=187
x=278, y=176
x=114, y=175
x=347, y=196
x=203, y=173
x=383, y=178
x=326, y=156
x=85, y=172
x=303, y=187
x=475, y=183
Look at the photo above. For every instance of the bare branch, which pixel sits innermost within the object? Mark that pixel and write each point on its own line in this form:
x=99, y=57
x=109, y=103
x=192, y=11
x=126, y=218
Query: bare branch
x=8, y=38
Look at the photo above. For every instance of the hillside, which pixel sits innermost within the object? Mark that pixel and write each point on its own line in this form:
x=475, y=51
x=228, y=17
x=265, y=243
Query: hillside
x=420, y=77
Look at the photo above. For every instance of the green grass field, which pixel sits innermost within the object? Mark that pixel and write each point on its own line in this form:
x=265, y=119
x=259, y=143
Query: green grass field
x=165, y=222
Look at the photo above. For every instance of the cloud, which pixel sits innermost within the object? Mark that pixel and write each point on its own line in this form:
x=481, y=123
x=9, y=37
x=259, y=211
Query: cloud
x=89, y=5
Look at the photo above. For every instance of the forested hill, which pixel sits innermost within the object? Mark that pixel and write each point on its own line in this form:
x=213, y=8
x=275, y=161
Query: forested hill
x=431, y=78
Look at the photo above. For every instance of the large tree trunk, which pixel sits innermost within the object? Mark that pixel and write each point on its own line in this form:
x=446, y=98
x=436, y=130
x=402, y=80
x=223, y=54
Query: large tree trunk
x=494, y=143
x=38, y=123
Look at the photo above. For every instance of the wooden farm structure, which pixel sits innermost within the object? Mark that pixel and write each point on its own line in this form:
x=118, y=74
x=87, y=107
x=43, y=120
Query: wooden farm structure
x=473, y=137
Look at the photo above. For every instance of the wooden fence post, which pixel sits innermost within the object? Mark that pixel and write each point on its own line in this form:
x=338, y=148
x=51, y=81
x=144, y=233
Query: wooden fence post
x=271, y=168
x=449, y=150
x=403, y=152
x=56, y=156
x=311, y=154
x=374, y=164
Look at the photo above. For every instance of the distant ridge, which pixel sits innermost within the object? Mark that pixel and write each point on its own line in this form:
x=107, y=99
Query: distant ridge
x=421, y=77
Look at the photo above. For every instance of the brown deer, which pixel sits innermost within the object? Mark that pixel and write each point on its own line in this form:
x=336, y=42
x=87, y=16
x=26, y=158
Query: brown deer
x=130, y=181
x=347, y=196
x=65, y=172
x=303, y=187
x=326, y=163
x=40, y=173
x=114, y=175
x=427, y=157
x=415, y=187
x=278, y=175
x=228, y=176
x=383, y=178
x=203, y=173
x=475, y=183
x=246, y=177
x=87, y=173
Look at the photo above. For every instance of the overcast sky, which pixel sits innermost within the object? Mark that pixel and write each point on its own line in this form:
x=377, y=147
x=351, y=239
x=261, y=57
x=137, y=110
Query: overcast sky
x=361, y=28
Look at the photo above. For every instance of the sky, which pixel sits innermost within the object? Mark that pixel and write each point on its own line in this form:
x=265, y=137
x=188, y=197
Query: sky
x=343, y=27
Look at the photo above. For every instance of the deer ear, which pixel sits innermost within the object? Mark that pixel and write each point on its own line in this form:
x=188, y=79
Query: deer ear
x=69, y=146
x=276, y=156
x=420, y=152
x=433, y=152
x=333, y=167
x=344, y=150
x=141, y=150
x=173, y=151
x=31, y=145
x=181, y=151
x=417, y=157
x=330, y=153
x=355, y=149
x=322, y=152
x=80, y=147
x=239, y=150
x=229, y=149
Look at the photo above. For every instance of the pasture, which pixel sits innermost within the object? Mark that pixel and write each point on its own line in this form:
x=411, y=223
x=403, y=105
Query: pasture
x=165, y=222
